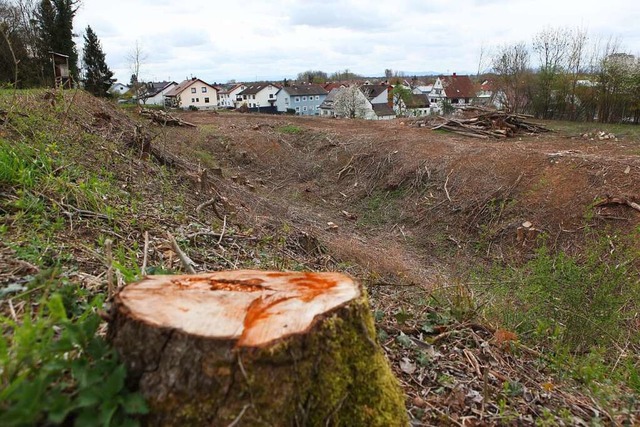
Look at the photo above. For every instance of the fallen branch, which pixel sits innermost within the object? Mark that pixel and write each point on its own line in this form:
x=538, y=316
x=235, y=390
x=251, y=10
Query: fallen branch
x=446, y=181
x=184, y=258
x=618, y=201
x=491, y=124
x=146, y=250
x=164, y=119
x=109, y=262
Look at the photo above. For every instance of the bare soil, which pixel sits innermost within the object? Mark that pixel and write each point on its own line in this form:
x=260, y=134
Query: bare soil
x=405, y=210
x=409, y=210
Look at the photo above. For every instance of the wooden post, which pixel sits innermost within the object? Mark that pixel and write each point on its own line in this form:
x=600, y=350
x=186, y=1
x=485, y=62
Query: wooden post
x=249, y=348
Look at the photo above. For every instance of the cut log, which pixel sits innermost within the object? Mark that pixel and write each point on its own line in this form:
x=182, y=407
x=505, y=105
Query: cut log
x=253, y=348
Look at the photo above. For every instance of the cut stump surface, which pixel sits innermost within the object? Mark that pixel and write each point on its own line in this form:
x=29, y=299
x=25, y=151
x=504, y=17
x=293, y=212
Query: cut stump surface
x=252, y=307
x=255, y=348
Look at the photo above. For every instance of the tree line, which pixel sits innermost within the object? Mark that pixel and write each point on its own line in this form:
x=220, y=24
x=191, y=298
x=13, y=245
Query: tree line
x=31, y=30
x=578, y=77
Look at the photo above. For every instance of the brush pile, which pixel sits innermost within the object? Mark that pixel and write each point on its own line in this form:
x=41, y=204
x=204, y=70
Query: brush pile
x=164, y=118
x=492, y=124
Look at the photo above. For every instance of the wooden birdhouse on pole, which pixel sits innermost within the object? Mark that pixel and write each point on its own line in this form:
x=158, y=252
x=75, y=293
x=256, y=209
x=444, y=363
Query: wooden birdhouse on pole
x=62, y=77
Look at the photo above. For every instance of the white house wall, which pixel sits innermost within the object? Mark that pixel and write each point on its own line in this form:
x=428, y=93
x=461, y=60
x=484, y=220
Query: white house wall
x=199, y=98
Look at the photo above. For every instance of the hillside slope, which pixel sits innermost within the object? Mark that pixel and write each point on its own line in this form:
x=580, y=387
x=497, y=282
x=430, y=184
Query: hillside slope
x=91, y=197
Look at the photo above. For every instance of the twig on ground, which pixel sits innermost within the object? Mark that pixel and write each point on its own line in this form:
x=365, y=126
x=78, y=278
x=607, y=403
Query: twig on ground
x=212, y=203
x=146, y=251
x=109, y=261
x=186, y=261
x=224, y=228
x=240, y=415
x=445, y=186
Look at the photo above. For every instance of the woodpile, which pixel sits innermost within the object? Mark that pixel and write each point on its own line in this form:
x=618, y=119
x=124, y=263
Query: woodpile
x=164, y=118
x=492, y=124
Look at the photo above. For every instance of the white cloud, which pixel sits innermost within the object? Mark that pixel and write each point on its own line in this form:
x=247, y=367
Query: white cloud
x=276, y=39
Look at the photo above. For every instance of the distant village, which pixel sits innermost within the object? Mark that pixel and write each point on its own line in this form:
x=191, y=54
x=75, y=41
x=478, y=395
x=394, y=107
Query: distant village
x=373, y=99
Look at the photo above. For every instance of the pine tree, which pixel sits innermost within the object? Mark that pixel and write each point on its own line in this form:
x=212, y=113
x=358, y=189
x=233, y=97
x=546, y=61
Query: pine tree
x=55, y=28
x=97, y=73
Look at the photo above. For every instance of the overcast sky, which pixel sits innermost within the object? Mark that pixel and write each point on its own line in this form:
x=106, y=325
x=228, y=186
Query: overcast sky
x=273, y=39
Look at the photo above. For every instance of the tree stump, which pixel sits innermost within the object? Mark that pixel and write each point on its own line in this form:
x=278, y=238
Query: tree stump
x=255, y=348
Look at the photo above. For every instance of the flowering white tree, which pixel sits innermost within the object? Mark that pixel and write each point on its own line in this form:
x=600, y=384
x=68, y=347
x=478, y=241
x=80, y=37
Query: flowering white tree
x=350, y=102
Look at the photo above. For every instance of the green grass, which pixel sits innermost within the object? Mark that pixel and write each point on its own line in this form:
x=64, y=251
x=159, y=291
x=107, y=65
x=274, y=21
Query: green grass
x=580, y=309
x=290, y=129
x=381, y=208
x=54, y=366
x=628, y=132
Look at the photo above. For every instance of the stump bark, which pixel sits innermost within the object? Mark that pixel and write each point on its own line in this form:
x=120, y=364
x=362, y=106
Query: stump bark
x=250, y=348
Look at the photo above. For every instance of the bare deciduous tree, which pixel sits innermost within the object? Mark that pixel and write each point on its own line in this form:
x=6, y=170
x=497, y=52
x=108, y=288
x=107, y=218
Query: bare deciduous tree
x=552, y=47
x=136, y=58
x=511, y=65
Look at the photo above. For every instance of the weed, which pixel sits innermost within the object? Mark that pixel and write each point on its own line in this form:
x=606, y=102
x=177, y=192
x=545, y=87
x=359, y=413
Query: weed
x=575, y=306
x=290, y=129
x=55, y=368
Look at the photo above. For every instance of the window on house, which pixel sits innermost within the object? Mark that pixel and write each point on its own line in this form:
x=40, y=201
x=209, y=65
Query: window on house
x=270, y=95
x=204, y=89
x=454, y=101
x=317, y=97
x=297, y=99
x=193, y=90
x=304, y=98
x=304, y=108
x=298, y=109
x=193, y=100
x=466, y=100
x=206, y=100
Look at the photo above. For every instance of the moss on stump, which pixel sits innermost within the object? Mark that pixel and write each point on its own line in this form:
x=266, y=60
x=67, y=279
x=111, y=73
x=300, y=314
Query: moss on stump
x=255, y=348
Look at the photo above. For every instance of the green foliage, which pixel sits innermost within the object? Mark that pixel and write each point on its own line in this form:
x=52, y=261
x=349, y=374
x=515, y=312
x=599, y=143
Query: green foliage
x=97, y=73
x=447, y=107
x=381, y=207
x=55, y=369
x=22, y=165
x=401, y=98
x=575, y=306
x=290, y=129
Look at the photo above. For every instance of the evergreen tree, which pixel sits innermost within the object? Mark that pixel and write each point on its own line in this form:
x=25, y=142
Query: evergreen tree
x=55, y=25
x=97, y=73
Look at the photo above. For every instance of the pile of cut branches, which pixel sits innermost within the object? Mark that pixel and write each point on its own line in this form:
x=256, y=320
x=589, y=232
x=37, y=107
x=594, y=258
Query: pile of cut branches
x=492, y=124
x=164, y=118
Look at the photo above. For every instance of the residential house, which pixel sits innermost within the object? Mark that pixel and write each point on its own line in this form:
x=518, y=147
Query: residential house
x=305, y=100
x=229, y=98
x=193, y=93
x=456, y=90
x=382, y=112
x=379, y=102
x=485, y=93
x=376, y=94
x=368, y=102
x=118, y=89
x=257, y=96
x=415, y=106
x=153, y=92
x=326, y=108
x=423, y=89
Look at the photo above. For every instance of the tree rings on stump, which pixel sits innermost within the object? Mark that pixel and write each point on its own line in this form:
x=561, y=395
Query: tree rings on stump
x=252, y=348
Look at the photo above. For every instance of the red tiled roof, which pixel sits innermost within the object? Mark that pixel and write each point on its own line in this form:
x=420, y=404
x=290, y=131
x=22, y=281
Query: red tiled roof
x=458, y=86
